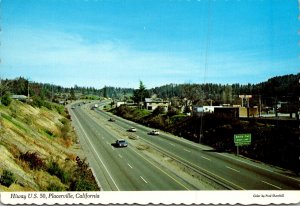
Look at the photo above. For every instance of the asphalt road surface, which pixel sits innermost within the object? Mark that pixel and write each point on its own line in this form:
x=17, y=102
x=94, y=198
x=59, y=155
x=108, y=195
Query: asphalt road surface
x=130, y=169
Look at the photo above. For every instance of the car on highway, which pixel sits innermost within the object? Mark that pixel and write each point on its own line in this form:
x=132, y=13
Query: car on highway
x=111, y=120
x=73, y=107
x=121, y=143
x=154, y=132
x=132, y=129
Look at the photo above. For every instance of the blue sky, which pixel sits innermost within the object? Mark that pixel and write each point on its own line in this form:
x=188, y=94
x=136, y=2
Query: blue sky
x=119, y=42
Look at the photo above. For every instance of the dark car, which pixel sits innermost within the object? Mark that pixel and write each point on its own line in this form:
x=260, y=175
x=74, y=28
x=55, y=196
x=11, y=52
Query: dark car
x=121, y=143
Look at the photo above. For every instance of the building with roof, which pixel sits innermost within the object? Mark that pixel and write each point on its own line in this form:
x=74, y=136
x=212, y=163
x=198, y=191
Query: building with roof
x=152, y=103
x=19, y=97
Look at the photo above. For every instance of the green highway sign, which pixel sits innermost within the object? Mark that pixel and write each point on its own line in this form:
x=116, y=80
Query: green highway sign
x=242, y=139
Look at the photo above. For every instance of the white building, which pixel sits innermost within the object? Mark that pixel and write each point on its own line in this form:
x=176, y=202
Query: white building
x=152, y=103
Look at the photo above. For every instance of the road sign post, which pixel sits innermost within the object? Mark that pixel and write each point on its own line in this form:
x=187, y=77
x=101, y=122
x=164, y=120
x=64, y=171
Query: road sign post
x=241, y=140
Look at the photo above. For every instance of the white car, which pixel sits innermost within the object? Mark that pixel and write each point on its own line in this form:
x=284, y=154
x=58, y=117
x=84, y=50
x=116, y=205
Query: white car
x=154, y=132
x=132, y=129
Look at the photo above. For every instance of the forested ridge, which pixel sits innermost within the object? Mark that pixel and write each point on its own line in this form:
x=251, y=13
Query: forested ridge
x=280, y=88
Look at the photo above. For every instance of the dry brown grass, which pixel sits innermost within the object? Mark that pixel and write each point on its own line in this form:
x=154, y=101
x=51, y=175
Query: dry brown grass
x=44, y=180
x=24, y=131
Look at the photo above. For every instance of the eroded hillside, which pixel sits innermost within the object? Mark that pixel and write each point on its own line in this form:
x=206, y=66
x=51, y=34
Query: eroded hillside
x=39, y=151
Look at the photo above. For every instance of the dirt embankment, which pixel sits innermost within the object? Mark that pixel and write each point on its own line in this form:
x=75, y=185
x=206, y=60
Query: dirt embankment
x=38, y=150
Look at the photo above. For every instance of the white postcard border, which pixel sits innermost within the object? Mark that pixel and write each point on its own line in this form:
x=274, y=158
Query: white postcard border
x=260, y=197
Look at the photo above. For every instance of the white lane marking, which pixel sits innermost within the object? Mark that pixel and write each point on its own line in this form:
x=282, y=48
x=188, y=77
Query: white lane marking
x=96, y=153
x=143, y=179
x=107, y=143
x=254, y=165
x=213, y=174
x=129, y=165
x=205, y=158
x=159, y=169
x=272, y=185
x=232, y=169
x=172, y=144
x=112, y=148
x=120, y=156
x=186, y=150
x=102, y=137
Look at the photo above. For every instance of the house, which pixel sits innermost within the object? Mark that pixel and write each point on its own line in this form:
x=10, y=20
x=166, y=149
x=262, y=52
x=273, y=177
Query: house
x=127, y=103
x=197, y=110
x=119, y=103
x=152, y=103
x=19, y=97
x=62, y=102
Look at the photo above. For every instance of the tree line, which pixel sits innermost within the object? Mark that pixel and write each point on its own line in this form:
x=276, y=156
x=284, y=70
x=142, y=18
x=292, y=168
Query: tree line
x=280, y=88
x=22, y=86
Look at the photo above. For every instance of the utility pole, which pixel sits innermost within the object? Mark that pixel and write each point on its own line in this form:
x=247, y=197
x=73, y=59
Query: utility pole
x=52, y=92
x=28, y=91
x=259, y=112
x=0, y=91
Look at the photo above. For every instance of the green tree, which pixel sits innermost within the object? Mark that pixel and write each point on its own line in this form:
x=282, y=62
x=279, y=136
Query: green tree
x=72, y=93
x=7, y=178
x=227, y=94
x=6, y=100
x=141, y=93
x=105, y=92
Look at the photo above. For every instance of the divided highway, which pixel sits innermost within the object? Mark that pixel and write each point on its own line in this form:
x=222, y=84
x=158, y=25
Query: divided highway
x=130, y=169
x=121, y=169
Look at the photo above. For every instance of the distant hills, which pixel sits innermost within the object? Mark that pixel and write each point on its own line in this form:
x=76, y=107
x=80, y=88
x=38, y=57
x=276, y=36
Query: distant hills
x=280, y=88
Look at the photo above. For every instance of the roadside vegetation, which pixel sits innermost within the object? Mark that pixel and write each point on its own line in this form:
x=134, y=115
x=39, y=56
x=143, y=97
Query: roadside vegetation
x=273, y=144
x=39, y=150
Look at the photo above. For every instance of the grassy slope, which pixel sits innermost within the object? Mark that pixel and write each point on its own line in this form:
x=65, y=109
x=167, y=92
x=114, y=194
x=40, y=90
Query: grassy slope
x=24, y=128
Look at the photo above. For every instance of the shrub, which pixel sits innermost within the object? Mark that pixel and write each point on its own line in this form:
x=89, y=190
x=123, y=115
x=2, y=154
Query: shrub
x=82, y=184
x=172, y=111
x=33, y=159
x=7, y=178
x=159, y=110
x=14, y=113
x=55, y=187
x=54, y=169
x=178, y=118
x=6, y=100
x=60, y=109
x=49, y=133
x=47, y=105
x=84, y=179
x=39, y=102
x=64, y=121
x=66, y=128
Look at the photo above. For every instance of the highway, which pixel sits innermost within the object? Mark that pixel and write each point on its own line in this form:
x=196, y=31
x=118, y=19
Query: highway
x=133, y=169
x=120, y=169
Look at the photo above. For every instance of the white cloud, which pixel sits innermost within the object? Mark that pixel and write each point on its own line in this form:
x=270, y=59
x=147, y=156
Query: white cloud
x=61, y=54
x=68, y=59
